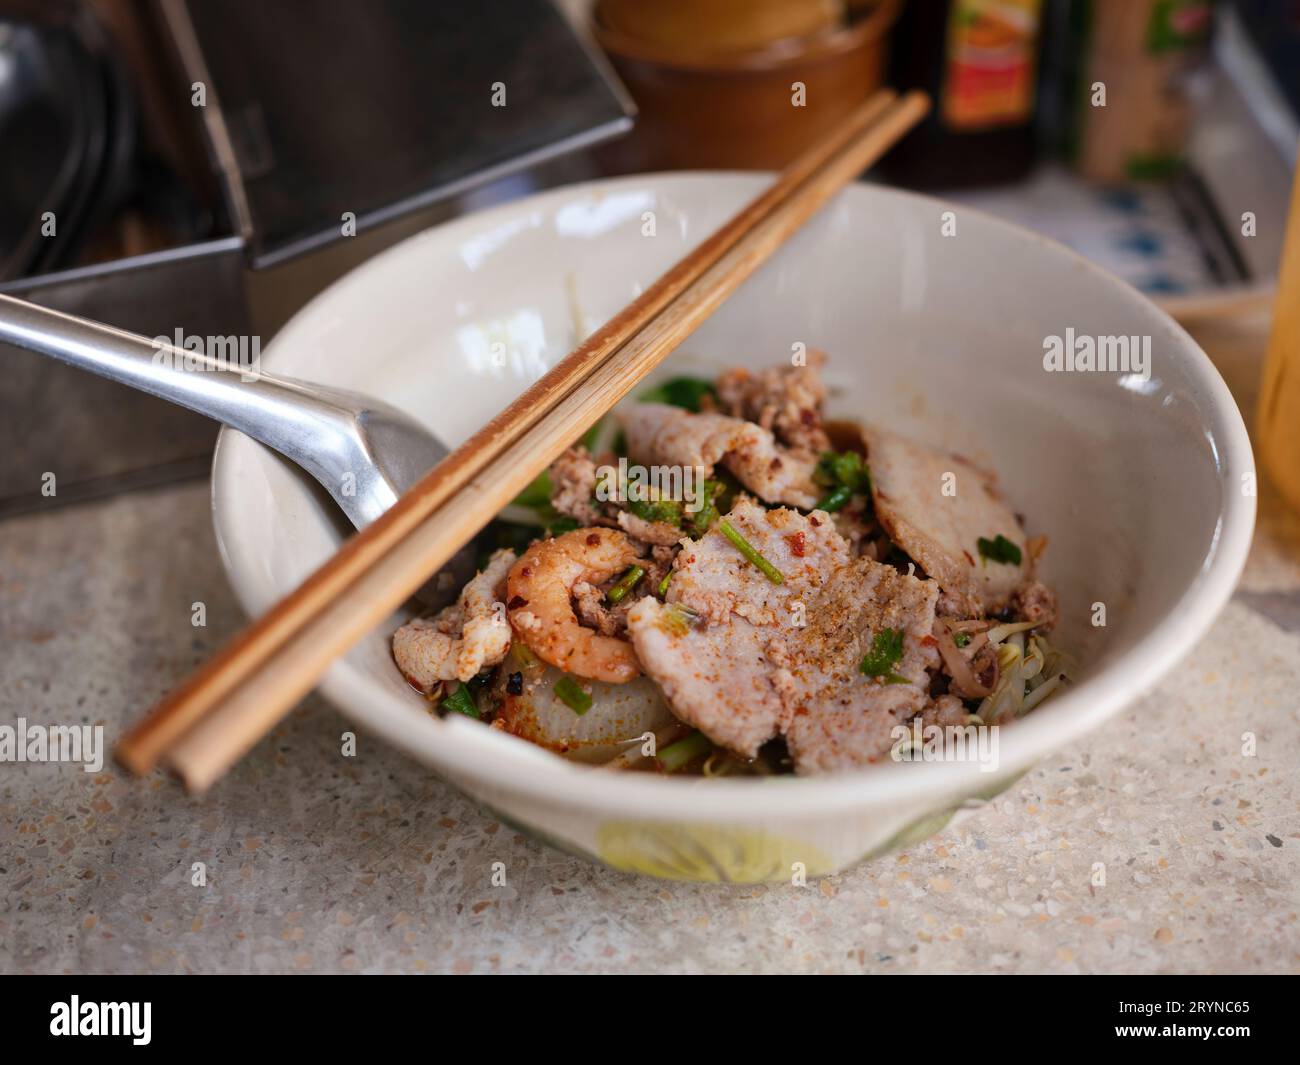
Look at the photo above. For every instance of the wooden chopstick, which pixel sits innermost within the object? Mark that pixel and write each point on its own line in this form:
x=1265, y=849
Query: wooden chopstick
x=261, y=692
x=143, y=745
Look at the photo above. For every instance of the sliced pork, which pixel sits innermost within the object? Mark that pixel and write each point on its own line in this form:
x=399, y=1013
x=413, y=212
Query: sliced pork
x=747, y=659
x=658, y=434
x=941, y=529
x=839, y=717
x=718, y=668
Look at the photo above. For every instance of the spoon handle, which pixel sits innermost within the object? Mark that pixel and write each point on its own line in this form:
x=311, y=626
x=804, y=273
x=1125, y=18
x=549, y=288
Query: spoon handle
x=323, y=430
x=230, y=391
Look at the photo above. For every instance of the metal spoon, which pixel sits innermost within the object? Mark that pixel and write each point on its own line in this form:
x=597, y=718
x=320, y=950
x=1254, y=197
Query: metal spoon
x=364, y=452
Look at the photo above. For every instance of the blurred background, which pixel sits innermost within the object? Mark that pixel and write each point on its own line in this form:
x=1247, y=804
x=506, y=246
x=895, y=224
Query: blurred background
x=207, y=166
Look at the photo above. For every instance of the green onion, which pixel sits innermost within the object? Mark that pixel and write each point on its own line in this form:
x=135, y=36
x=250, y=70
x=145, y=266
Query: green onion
x=843, y=469
x=699, y=522
x=999, y=549
x=625, y=584
x=845, y=474
x=460, y=702
x=961, y=639
x=664, y=510
x=571, y=694
x=676, y=755
x=747, y=549
x=663, y=584
x=687, y=392
x=886, y=652
x=834, y=500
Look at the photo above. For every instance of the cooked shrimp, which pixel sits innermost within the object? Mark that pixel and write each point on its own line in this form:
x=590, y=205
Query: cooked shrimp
x=540, y=591
x=465, y=638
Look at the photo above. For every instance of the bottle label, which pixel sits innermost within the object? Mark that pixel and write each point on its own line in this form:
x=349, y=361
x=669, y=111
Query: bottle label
x=990, y=68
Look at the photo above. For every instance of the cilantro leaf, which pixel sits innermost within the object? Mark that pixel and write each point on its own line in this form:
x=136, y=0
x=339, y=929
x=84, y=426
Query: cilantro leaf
x=886, y=652
x=843, y=469
x=999, y=549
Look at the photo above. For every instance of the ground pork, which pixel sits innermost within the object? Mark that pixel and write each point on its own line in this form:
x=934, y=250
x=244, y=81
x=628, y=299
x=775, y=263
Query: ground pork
x=1035, y=602
x=785, y=399
x=573, y=485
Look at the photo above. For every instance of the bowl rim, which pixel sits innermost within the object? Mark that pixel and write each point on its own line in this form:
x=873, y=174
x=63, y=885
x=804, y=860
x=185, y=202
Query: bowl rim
x=470, y=753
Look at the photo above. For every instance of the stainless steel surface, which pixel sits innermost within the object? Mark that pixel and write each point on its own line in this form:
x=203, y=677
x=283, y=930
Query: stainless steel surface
x=426, y=129
x=363, y=452
x=97, y=436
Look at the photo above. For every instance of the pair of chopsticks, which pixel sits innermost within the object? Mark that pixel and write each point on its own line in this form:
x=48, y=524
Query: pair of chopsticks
x=206, y=724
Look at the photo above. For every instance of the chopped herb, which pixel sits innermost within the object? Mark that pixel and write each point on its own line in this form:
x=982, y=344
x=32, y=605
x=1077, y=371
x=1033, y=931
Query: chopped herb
x=961, y=639
x=663, y=510
x=886, y=652
x=687, y=392
x=999, y=549
x=537, y=498
x=571, y=694
x=686, y=750
x=834, y=500
x=747, y=549
x=663, y=584
x=460, y=702
x=560, y=526
x=843, y=469
x=625, y=584
x=671, y=512
x=699, y=522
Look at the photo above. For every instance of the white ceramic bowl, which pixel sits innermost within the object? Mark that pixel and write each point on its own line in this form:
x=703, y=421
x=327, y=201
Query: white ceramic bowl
x=1141, y=485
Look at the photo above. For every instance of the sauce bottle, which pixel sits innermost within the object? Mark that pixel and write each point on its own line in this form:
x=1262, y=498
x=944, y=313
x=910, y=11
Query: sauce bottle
x=979, y=61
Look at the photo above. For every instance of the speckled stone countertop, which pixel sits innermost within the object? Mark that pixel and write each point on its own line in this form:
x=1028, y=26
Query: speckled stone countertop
x=321, y=863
